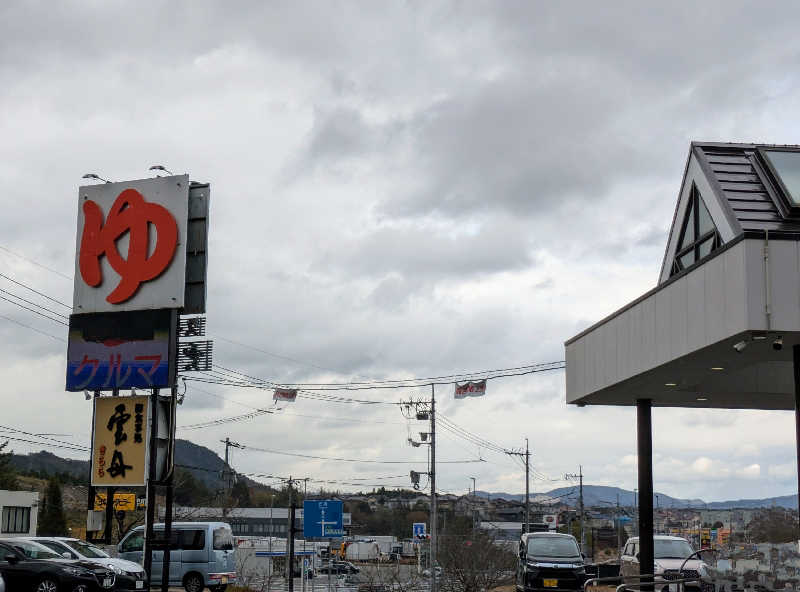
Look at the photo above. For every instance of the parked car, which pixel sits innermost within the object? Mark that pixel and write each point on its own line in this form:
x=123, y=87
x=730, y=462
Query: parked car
x=670, y=554
x=338, y=567
x=2, y=584
x=427, y=573
x=129, y=575
x=201, y=554
x=27, y=566
x=549, y=560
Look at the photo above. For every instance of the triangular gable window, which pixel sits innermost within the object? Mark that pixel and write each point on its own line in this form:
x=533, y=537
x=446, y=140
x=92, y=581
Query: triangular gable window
x=699, y=235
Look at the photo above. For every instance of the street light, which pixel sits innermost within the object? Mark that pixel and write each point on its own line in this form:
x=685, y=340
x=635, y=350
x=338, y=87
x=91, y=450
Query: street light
x=95, y=176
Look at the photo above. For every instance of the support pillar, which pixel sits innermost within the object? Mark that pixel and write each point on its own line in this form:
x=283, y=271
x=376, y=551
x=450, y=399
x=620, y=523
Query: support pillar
x=644, y=428
x=796, y=358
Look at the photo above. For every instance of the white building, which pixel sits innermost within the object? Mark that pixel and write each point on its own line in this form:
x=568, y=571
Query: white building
x=19, y=512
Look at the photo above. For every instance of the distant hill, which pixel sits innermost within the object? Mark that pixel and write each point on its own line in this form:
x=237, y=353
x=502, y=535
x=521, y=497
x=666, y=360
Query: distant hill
x=206, y=466
x=203, y=463
x=600, y=495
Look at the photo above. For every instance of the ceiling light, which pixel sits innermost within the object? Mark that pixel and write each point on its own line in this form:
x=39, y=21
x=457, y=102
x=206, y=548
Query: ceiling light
x=702, y=398
x=670, y=384
x=739, y=346
x=717, y=368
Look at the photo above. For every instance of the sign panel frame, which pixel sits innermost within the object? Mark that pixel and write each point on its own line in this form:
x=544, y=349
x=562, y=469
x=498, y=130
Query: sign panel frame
x=120, y=441
x=131, y=349
x=315, y=524
x=114, y=222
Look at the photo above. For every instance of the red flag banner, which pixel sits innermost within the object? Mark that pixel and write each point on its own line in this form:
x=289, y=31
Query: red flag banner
x=470, y=389
x=288, y=395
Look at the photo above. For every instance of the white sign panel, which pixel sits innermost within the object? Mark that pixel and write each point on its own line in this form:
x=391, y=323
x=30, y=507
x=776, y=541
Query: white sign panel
x=131, y=245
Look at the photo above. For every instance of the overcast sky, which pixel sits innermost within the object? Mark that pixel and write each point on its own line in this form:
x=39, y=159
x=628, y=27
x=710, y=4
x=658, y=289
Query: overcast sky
x=398, y=189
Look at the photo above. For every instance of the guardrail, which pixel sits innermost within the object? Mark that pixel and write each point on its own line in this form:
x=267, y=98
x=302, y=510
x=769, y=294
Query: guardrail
x=646, y=582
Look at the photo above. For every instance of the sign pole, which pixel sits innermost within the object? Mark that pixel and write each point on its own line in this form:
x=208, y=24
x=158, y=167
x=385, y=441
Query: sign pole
x=151, y=487
x=167, y=535
x=110, y=491
x=170, y=462
x=433, y=489
x=290, y=532
x=330, y=560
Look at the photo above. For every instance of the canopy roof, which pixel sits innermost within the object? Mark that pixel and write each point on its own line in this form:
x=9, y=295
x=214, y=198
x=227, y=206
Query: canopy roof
x=730, y=277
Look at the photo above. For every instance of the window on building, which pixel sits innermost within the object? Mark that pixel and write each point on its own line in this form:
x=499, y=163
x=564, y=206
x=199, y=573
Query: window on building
x=785, y=167
x=16, y=520
x=699, y=236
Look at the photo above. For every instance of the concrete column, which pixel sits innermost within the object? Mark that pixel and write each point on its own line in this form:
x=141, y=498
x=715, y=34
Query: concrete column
x=644, y=428
x=796, y=358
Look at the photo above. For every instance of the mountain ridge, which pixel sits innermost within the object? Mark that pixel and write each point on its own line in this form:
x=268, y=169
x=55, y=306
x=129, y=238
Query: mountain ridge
x=206, y=466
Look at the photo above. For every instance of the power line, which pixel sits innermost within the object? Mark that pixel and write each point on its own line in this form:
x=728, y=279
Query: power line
x=233, y=381
x=34, y=311
x=27, y=287
x=415, y=382
x=23, y=432
x=16, y=322
x=44, y=308
x=226, y=420
x=37, y=264
x=355, y=460
x=73, y=448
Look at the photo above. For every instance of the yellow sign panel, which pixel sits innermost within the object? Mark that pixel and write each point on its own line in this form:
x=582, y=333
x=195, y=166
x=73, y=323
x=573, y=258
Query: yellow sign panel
x=119, y=441
x=122, y=501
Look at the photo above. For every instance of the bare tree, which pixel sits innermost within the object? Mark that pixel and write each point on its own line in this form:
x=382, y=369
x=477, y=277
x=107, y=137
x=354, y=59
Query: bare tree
x=474, y=563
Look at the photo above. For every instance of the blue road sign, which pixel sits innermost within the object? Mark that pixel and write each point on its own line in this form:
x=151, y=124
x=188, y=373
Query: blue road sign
x=322, y=519
x=419, y=529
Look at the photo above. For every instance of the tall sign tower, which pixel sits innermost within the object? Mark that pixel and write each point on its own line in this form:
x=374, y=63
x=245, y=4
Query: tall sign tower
x=138, y=311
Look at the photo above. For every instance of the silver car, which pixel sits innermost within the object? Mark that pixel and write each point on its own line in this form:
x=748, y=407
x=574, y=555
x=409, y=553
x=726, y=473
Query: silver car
x=670, y=555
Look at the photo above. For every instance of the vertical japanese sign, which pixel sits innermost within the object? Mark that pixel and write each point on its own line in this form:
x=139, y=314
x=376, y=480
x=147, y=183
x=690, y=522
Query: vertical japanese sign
x=119, y=441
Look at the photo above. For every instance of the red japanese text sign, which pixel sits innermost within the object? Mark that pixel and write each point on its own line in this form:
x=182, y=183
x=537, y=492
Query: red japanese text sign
x=131, y=245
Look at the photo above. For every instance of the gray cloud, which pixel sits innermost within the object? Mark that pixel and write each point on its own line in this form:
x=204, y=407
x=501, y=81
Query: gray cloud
x=410, y=189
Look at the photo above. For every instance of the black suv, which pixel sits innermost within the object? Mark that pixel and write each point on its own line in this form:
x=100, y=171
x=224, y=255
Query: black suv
x=29, y=567
x=338, y=567
x=549, y=562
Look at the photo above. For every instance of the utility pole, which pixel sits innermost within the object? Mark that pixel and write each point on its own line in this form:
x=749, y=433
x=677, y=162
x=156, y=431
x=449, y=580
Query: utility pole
x=583, y=533
x=290, y=534
x=619, y=527
x=433, y=488
x=474, y=503
x=228, y=471
x=579, y=476
x=527, y=486
x=527, y=455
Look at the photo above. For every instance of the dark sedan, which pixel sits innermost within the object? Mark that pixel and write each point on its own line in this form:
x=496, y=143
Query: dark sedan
x=29, y=567
x=338, y=567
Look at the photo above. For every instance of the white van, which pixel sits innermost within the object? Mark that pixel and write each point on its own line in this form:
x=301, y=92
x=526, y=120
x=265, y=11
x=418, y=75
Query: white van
x=201, y=555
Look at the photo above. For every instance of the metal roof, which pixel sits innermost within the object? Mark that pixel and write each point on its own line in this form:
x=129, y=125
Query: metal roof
x=741, y=182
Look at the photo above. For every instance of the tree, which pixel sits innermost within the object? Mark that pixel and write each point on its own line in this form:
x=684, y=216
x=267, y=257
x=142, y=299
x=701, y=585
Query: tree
x=241, y=493
x=473, y=562
x=8, y=476
x=776, y=525
x=188, y=490
x=52, y=521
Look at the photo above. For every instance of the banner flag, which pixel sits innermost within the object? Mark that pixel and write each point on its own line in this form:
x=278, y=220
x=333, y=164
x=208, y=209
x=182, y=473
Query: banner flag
x=288, y=395
x=470, y=389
